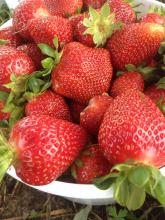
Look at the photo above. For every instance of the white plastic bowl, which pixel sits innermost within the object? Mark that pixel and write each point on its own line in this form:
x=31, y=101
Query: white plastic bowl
x=84, y=194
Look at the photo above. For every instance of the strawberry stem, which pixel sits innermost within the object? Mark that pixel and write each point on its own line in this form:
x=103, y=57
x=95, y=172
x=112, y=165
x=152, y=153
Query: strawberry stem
x=131, y=182
x=6, y=155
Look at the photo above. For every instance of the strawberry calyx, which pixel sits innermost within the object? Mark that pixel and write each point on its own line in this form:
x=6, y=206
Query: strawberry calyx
x=131, y=182
x=4, y=42
x=157, y=10
x=161, y=57
x=101, y=24
x=161, y=83
x=7, y=155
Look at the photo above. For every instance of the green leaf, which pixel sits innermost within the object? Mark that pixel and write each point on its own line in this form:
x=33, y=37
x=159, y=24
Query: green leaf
x=55, y=42
x=105, y=10
x=161, y=83
x=4, y=124
x=160, y=191
x=4, y=96
x=34, y=85
x=46, y=49
x=113, y=215
x=16, y=115
x=93, y=13
x=139, y=176
x=4, y=42
x=47, y=63
x=83, y=214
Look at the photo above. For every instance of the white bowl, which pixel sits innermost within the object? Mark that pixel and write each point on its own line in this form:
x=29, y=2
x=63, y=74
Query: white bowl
x=84, y=194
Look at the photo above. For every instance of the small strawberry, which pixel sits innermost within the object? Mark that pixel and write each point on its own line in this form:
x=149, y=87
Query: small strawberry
x=42, y=148
x=82, y=73
x=76, y=109
x=89, y=165
x=93, y=3
x=14, y=62
x=25, y=11
x=64, y=8
x=92, y=116
x=135, y=44
x=127, y=81
x=34, y=52
x=10, y=37
x=157, y=95
x=44, y=29
x=154, y=15
x=50, y=104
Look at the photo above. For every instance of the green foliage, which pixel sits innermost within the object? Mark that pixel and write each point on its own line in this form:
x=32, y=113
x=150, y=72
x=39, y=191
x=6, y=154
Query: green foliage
x=83, y=213
x=5, y=14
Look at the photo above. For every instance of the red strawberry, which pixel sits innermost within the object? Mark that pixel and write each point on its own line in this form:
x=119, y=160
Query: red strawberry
x=123, y=11
x=43, y=148
x=127, y=81
x=157, y=95
x=34, y=52
x=50, y=104
x=14, y=62
x=64, y=8
x=76, y=109
x=82, y=73
x=153, y=18
x=135, y=44
x=89, y=165
x=93, y=3
x=76, y=18
x=27, y=10
x=133, y=129
x=43, y=30
x=9, y=35
x=92, y=116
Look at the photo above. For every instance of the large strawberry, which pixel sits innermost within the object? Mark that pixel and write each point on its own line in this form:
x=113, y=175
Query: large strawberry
x=44, y=29
x=135, y=44
x=127, y=81
x=92, y=116
x=75, y=109
x=41, y=148
x=34, y=52
x=132, y=136
x=90, y=164
x=14, y=62
x=25, y=11
x=82, y=73
x=64, y=8
x=50, y=104
x=8, y=36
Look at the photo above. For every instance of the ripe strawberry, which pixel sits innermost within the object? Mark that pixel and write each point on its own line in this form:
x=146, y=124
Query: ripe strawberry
x=76, y=109
x=127, y=81
x=43, y=148
x=135, y=44
x=123, y=11
x=89, y=165
x=92, y=116
x=157, y=95
x=14, y=62
x=133, y=129
x=43, y=30
x=93, y=3
x=153, y=18
x=50, y=104
x=64, y=8
x=82, y=73
x=8, y=34
x=25, y=11
x=74, y=20
x=34, y=52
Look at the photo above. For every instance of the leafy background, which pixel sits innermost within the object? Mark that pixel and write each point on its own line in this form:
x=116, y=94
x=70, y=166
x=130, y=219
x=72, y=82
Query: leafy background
x=20, y=202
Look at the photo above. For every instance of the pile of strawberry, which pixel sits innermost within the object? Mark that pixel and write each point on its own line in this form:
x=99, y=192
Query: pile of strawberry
x=82, y=86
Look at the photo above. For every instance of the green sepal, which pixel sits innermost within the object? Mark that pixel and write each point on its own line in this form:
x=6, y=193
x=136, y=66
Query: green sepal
x=16, y=115
x=101, y=25
x=4, y=96
x=46, y=49
x=161, y=83
x=158, y=10
x=4, y=42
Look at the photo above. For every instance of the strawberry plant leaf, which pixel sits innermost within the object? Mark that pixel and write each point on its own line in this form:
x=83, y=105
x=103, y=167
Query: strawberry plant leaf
x=159, y=191
x=47, y=50
x=55, y=42
x=47, y=63
x=114, y=215
x=83, y=213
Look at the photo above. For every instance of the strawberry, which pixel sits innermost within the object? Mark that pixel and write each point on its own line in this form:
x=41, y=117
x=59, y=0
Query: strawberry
x=43, y=148
x=14, y=62
x=50, y=104
x=135, y=44
x=34, y=52
x=82, y=73
x=89, y=165
x=74, y=20
x=93, y=3
x=123, y=11
x=157, y=95
x=11, y=38
x=76, y=109
x=25, y=11
x=64, y=8
x=3, y=116
x=133, y=129
x=92, y=116
x=44, y=29
x=127, y=81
